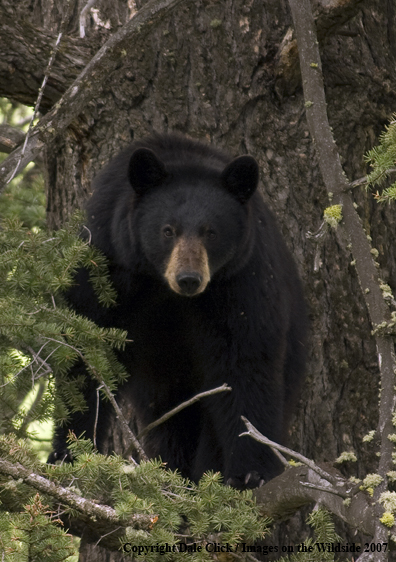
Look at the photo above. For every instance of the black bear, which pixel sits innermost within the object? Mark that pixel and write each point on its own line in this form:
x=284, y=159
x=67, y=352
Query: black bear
x=208, y=293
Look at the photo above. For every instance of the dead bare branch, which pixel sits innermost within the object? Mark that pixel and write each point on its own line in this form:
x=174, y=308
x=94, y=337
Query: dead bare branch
x=255, y=434
x=41, y=90
x=180, y=407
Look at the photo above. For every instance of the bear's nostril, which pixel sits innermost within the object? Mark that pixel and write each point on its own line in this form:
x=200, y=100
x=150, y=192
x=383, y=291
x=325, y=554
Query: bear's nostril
x=189, y=283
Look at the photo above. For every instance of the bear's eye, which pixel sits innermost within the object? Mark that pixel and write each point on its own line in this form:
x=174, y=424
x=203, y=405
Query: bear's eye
x=168, y=232
x=211, y=234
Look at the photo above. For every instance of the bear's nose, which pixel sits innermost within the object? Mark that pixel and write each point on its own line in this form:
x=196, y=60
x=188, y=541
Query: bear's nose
x=189, y=283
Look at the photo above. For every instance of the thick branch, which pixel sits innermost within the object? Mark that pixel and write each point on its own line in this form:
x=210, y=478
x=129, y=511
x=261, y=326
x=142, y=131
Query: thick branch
x=284, y=495
x=101, y=520
x=337, y=184
x=25, y=51
x=88, y=84
x=93, y=514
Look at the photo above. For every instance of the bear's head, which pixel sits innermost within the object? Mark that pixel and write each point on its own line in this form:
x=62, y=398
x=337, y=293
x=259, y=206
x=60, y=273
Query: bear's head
x=191, y=219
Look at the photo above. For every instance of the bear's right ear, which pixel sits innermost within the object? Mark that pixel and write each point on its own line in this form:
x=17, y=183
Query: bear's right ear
x=146, y=170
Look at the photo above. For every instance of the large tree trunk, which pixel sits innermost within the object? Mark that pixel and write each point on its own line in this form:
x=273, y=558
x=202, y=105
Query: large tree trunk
x=227, y=73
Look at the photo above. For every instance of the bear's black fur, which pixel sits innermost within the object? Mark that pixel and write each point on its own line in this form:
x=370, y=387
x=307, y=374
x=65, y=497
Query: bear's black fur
x=209, y=294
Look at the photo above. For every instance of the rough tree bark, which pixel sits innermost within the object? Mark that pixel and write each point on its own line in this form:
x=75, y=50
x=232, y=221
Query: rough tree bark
x=228, y=72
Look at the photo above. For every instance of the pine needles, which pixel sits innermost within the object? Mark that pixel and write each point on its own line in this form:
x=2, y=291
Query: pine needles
x=382, y=160
x=40, y=337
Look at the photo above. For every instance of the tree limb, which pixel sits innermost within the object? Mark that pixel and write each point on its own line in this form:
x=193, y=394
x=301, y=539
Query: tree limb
x=282, y=496
x=98, y=518
x=87, y=85
x=25, y=52
x=181, y=407
x=86, y=507
x=337, y=184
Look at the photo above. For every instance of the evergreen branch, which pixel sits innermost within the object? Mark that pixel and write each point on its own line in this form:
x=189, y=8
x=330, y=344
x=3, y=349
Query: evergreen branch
x=181, y=407
x=87, y=85
x=132, y=441
x=87, y=508
x=366, y=179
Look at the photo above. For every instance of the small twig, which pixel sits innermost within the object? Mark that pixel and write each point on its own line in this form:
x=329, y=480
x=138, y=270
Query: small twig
x=89, y=235
x=41, y=362
x=358, y=182
x=96, y=415
x=107, y=534
x=282, y=459
x=181, y=407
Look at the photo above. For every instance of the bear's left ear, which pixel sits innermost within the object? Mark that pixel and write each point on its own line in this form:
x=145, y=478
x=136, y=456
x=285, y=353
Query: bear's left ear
x=146, y=170
x=241, y=177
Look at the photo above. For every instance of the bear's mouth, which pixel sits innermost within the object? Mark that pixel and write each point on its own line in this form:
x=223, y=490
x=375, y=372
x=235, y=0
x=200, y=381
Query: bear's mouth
x=187, y=271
